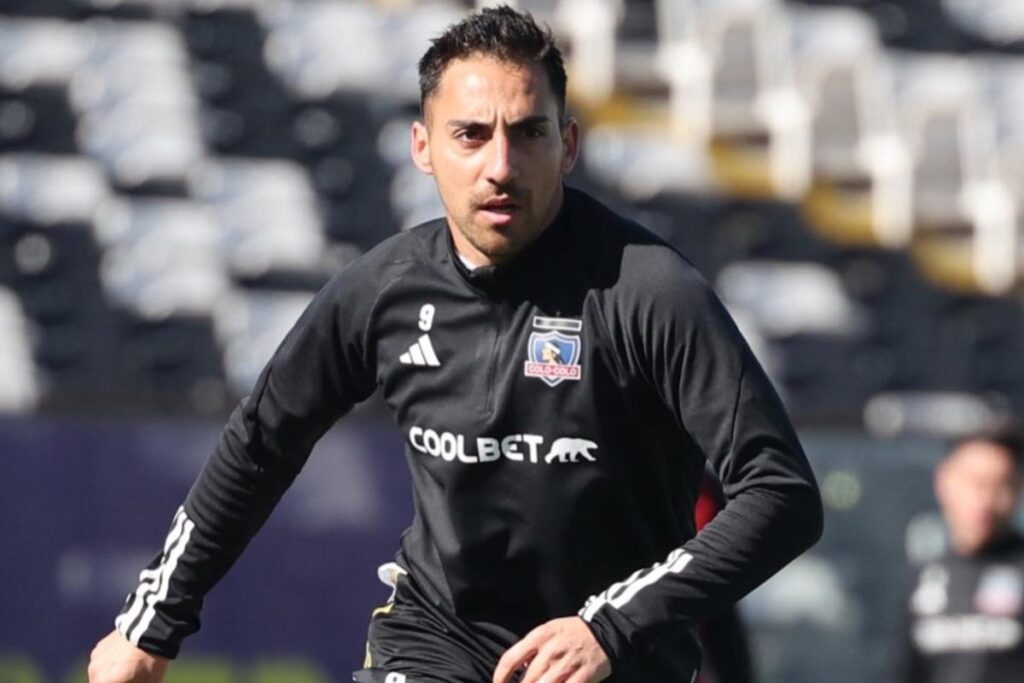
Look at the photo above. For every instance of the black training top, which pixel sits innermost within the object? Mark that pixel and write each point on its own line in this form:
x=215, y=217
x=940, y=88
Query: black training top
x=558, y=412
x=966, y=618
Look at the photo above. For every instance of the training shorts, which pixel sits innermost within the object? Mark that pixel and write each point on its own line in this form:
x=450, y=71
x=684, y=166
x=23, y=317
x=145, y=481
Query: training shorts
x=412, y=640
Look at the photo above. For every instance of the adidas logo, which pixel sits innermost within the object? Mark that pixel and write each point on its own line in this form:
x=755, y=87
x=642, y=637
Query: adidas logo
x=421, y=353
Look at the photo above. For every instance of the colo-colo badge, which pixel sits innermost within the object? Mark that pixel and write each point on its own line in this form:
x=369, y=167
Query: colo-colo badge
x=553, y=355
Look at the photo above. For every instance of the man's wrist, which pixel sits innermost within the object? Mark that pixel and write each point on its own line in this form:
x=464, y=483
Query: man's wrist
x=153, y=647
x=612, y=639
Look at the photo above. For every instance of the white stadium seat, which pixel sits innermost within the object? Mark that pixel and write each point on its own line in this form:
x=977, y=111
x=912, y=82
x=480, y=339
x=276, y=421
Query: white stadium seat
x=861, y=184
x=760, y=136
x=965, y=233
x=48, y=188
x=249, y=326
x=39, y=51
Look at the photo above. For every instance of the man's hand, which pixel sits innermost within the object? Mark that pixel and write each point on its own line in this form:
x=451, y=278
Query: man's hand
x=115, y=660
x=560, y=651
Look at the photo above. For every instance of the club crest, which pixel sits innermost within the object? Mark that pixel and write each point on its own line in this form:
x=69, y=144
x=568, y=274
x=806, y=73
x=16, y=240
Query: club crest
x=1000, y=592
x=553, y=357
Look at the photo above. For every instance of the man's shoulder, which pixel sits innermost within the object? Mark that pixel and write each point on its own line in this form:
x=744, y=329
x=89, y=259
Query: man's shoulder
x=424, y=242
x=638, y=257
x=421, y=244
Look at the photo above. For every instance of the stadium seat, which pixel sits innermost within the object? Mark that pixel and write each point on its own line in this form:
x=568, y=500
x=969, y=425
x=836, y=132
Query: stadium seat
x=138, y=113
x=685, y=66
x=860, y=188
x=965, y=232
x=266, y=215
x=319, y=48
x=42, y=52
x=640, y=164
x=249, y=325
x=590, y=28
x=760, y=136
x=50, y=189
x=787, y=299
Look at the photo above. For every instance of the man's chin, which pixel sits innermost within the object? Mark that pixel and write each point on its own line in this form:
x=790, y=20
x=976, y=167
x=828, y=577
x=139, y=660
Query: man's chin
x=499, y=251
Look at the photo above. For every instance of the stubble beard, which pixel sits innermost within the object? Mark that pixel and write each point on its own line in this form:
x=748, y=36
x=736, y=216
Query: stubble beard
x=497, y=247
x=502, y=243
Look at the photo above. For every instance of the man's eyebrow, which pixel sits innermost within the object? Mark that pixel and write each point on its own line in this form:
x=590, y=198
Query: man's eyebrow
x=527, y=121
x=531, y=121
x=465, y=123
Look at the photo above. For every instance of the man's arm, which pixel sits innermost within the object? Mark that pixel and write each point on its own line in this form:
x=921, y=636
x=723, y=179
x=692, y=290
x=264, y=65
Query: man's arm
x=678, y=336
x=317, y=374
x=691, y=353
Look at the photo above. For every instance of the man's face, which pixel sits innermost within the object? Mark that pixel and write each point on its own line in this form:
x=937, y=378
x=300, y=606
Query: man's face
x=978, y=488
x=493, y=143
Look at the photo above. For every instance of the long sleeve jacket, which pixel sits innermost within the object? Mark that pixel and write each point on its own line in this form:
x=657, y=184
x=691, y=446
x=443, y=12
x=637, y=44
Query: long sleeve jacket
x=558, y=412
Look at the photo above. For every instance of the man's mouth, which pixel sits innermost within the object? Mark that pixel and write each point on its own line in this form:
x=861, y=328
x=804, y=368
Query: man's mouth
x=503, y=205
x=500, y=209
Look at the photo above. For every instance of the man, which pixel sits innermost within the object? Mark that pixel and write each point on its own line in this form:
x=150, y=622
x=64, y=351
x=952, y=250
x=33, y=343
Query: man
x=966, y=613
x=553, y=536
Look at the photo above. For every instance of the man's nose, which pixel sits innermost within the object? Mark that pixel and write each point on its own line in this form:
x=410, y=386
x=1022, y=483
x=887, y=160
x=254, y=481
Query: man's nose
x=502, y=165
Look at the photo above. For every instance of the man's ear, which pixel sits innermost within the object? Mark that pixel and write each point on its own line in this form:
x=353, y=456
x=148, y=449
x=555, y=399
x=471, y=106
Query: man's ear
x=570, y=144
x=421, y=147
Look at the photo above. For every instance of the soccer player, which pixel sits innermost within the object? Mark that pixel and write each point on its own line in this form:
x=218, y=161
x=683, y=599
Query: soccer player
x=553, y=537
x=966, y=612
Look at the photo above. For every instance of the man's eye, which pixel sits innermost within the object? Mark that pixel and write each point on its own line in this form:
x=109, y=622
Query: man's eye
x=470, y=134
x=533, y=132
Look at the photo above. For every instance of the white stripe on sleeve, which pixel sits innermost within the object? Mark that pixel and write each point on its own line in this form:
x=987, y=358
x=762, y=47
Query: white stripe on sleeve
x=618, y=594
x=155, y=583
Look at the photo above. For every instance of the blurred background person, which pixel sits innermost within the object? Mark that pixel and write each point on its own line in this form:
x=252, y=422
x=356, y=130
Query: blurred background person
x=966, y=611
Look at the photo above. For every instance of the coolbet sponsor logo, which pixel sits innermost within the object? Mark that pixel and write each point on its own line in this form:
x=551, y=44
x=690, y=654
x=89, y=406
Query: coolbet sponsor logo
x=1000, y=592
x=515, y=447
x=967, y=633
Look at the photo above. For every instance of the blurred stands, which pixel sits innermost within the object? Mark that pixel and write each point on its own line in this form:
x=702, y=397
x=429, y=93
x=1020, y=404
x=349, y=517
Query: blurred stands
x=178, y=177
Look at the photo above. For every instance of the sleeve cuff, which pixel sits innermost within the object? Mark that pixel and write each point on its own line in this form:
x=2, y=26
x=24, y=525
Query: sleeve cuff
x=167, y=650
x=611, y=634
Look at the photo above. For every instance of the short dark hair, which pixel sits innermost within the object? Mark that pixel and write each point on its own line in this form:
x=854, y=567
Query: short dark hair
x=1008, y=434
x=499, y=32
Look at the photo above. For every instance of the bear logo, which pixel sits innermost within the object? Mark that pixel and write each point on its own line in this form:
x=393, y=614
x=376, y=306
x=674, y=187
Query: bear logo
x=567, y=449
